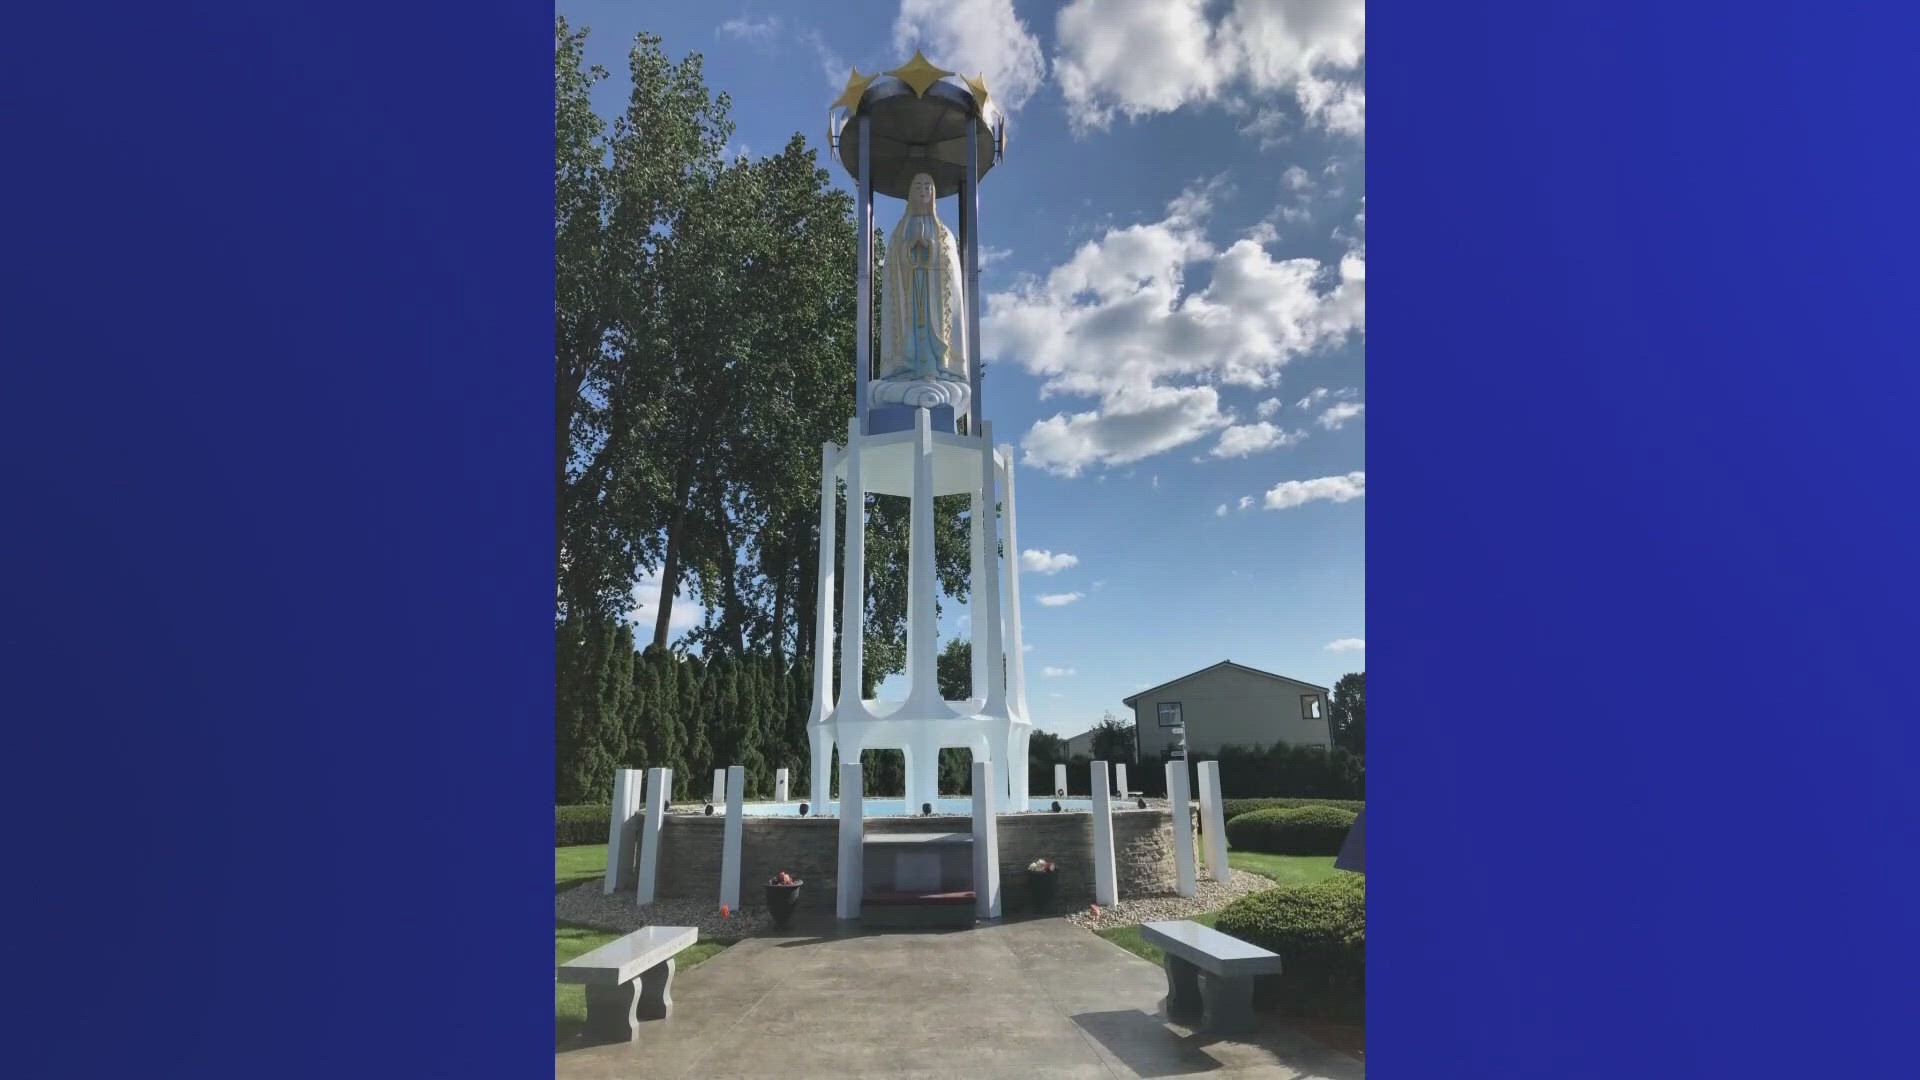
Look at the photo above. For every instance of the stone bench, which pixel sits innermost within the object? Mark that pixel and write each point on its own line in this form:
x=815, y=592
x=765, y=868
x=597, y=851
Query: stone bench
x=629, y=979
x=1209, y=974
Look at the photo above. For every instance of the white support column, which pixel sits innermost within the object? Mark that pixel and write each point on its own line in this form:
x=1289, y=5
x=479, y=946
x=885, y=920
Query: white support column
x=730, y=838
x=620, y=831
x=780, y=785
x=977, y=607
x=1213, y=823
x=820, y=746
x=1016, y=658
x=924, y=700
x=659, y=781
x=848, y=875
x=1120, y=778
x=819, y=740
x=1059, y=778
x=1106, y=882
x=853, y=599
x=986, y=843
x=719, y=788
x=1181, y=804
x=1018, y=739
x=987, y=613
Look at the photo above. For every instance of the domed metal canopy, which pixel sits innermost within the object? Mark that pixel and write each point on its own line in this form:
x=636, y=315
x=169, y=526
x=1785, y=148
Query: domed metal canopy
x=916, y=133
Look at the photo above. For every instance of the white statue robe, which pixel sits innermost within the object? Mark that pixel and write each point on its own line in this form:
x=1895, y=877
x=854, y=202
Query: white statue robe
x=899, y=361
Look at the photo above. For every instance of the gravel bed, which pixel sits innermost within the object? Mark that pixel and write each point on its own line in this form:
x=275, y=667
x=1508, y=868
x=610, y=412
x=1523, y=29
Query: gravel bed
x=1134, y=910
x=586, y=905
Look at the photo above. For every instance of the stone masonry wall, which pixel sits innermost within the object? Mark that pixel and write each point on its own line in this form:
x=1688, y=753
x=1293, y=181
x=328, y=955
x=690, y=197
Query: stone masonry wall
x=808, y=848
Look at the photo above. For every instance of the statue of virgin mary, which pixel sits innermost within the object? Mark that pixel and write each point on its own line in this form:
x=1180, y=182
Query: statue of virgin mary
x=923, y=344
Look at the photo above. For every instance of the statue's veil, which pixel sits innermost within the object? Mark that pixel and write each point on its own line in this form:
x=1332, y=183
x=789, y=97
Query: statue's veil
x=893, y=301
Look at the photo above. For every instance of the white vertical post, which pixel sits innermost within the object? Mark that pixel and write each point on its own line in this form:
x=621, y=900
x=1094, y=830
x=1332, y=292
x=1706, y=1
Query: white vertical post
x=818, y=741
x=1181, y=804
x=719, y=787
x=847, y=904
x=1059, y=778
x=780, y=785
x=1106, y=885
x=658, y=782
x=1213, y=822
x=730, y=838
x=1120, y=778
x=1016, y=654
x=986, y=843
x=853, y=587
x=620, y=830
x=988, y=639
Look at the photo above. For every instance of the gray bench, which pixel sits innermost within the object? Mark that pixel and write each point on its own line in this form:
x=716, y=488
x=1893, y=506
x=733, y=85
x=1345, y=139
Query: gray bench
x=1209, y=974
x=629, y=979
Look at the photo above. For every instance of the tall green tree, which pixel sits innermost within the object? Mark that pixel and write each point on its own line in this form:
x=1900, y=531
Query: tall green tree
x=593, y=709
x=1347, y=713
x=1113, y=739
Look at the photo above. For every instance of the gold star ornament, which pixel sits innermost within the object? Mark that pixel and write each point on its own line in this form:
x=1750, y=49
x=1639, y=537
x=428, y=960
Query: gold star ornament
x=978, y=84
x=856, y=87
x=919, y=74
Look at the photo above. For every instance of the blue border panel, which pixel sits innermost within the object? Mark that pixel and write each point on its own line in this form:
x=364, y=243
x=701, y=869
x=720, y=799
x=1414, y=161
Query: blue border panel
x=1641, y=541
x=278, y=287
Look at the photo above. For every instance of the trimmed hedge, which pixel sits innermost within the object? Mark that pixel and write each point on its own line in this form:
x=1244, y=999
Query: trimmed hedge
x=1233, y=808
x=1320, y=932
x=580, y=824
x=1305, y=830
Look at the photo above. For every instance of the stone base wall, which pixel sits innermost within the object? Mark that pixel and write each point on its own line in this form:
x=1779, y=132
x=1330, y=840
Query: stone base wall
x=808, y=848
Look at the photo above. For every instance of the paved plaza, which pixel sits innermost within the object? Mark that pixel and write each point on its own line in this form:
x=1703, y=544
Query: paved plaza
x=1033, y=999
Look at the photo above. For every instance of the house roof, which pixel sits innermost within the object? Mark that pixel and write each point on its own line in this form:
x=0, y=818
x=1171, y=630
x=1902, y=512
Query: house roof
x=1128, y=701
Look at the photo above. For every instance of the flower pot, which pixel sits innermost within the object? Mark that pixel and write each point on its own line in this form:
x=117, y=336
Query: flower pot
x=781, y=900
x=1040, y=891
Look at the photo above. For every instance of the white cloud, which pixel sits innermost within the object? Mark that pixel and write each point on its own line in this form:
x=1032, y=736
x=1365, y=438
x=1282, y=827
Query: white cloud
x=1290, y=493
x=991, y=255
x=1340, y=107
x=1246, y=502
x=766, y=35
x=1243, y=439
x=1347, y=644
x=975, y=37
x=1269, y=126
x=1220, y=511
x=685, y=616
x=1059, y=599
x=1052, y=672
x=1340, y=414
x=1046, y=562
x=1116, y=322
x=1296, y=178
x=1320, y=393
x=1267, y=408
x=1131, y=426
x=1135, y=58
x=746, y=29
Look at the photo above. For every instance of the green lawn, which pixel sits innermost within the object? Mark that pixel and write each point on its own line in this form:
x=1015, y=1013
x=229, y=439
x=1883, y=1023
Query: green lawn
x=1283, y=869
x=571, y=866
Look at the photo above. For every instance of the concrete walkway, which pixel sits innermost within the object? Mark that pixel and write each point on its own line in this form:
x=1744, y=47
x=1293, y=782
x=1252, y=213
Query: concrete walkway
x=1030, y=999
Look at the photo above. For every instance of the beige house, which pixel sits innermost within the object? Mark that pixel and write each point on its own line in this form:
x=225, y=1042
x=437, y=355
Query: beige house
x=1230, y=704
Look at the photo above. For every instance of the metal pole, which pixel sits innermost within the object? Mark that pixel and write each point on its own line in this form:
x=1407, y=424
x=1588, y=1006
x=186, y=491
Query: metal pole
x=863, y=334
x=970, y=236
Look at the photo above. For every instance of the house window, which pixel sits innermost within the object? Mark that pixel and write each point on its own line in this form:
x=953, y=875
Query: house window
x=1170, y=714
x=1310, y=706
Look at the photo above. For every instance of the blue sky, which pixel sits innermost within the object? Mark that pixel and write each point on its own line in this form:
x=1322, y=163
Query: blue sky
x=1175, y=294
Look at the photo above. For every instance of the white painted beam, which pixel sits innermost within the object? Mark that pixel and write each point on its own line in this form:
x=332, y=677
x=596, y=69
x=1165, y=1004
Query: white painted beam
x=1106, y=882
